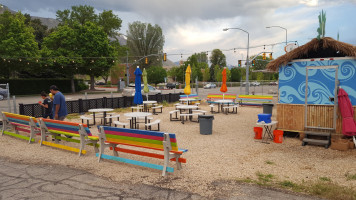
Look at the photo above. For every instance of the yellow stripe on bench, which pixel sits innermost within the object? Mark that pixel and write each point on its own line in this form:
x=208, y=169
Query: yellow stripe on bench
x=255, y=97
x=62, y=147
x=220, y=96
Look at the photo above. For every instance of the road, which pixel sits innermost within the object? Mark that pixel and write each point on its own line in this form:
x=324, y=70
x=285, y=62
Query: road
x=24, y=181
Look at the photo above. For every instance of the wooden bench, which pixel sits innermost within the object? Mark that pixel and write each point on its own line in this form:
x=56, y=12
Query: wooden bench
x=254, y=100
x=211, y=98
x=55, y=128
x=15, y=123
x=117, y=138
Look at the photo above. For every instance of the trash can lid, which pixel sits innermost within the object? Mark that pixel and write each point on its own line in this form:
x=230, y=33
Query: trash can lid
x=268, y=104
x=206, y=116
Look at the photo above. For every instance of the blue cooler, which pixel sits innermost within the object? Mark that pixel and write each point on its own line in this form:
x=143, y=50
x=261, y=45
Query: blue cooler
x=264, y=117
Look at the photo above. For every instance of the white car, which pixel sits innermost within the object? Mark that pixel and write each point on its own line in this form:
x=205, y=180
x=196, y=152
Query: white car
x=209, y=85
x=255, y=83
x=130, y=90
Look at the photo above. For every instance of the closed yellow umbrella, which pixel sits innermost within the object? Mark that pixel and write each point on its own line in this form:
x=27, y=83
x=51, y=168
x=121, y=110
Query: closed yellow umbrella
x=145, y=87
x=187, y=90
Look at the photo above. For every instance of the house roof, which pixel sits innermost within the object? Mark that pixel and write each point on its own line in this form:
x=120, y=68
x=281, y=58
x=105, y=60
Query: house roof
x=325, y=48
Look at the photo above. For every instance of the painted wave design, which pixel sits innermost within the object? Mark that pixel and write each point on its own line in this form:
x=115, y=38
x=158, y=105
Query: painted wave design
x=346, y=71
x=287, y=74
x=319, y=94
x=288, y=94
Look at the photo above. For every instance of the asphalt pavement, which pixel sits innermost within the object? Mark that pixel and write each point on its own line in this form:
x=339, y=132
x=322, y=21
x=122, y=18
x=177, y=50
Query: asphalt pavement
x=25, y=181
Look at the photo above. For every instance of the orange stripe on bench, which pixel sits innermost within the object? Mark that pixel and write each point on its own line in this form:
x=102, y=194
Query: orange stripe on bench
x=138, y=135
x=152, y=155
x=63, y=122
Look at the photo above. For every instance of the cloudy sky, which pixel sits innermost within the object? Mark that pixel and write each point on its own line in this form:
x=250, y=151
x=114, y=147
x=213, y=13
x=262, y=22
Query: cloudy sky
x=196, y=26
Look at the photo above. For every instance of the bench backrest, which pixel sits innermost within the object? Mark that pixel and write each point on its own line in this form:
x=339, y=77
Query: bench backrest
x=19, y=119
x=140, y=138
x=220, y=96
x=255, y=97
x=191, y=96
x=62, y=127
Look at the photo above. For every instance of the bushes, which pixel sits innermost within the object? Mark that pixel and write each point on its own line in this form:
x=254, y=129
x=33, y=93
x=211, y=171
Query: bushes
x=35, y=86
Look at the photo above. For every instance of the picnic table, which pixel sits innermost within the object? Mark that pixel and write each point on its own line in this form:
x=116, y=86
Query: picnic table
x=99, y=110
x=146, y=105
x=222, y=102
x=190, y=108
x=134, y=116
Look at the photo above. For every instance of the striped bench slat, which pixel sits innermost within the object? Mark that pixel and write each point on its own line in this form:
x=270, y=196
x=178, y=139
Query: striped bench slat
x=19, y=136
x=136, y=162
x=21, y=123
x=63, y=147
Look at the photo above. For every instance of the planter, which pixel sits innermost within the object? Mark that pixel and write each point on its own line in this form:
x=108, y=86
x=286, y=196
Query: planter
x=339, y=144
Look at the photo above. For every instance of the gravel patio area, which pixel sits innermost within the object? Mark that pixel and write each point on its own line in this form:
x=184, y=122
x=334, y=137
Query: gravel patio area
x=230, y=153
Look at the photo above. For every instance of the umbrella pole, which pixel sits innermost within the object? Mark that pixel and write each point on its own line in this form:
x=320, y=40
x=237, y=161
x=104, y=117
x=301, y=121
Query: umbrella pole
x=223, y=96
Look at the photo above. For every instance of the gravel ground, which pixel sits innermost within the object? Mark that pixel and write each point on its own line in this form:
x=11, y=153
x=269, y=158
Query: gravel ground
x=230, y=153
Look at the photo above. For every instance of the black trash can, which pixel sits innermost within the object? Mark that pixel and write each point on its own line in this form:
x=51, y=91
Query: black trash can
x=267, y=108
x=206, y=124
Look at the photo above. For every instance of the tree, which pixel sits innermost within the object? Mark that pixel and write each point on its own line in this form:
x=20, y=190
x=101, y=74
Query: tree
x=177, y=73
x=17, y=44
x=206, y=74
x=202, y=57
x=145, y=39
x=156, y=74
x=79, y=14
x=260, y=64
x=218, y=58
x=109, y=22
x=235, y=74
x=40, y=30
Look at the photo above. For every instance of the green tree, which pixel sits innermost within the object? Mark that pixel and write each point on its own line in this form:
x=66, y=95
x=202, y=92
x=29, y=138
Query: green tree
x=110, y=22
x=206, y=74
x=235, y=74
x=79, y=14
x=177, y=73
x=40, y=30
x=218, y=58
x=202, y=57
x=145, y=39
x=156, y=74
x=16, y=42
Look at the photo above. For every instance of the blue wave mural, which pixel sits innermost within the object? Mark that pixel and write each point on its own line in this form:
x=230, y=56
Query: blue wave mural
x=321, y=82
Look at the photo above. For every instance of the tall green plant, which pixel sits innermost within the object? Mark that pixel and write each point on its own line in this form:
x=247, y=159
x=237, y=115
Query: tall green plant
x=322, y=21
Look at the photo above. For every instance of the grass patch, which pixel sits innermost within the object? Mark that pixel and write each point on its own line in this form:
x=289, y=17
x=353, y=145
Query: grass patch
x=323, y=187
x=73, y=116
x=268, y=162
x=324, y=179
x=350, y=176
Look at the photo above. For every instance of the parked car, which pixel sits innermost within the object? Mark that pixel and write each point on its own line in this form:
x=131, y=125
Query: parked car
x=99, y=83
x=130, y=90
x=3, y=94
x=273, y=83
x=255, y=83
x=244, y=83
x=209, y=85
x=171, y=85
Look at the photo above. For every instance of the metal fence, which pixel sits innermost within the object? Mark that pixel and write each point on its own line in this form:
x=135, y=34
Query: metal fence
x=83, y=105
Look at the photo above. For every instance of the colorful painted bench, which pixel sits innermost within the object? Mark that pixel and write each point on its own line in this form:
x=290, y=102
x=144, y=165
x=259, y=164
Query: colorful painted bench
x=211, y=98
x=116, y=138
x=56, y=128
x=191, y=99
x=254, y=100
x=14, y=122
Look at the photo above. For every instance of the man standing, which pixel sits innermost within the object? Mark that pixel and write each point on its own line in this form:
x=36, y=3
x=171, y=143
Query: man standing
x=59, y=104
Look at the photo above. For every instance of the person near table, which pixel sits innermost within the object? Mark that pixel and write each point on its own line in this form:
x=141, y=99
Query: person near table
x=47, y=104
x=59, y=104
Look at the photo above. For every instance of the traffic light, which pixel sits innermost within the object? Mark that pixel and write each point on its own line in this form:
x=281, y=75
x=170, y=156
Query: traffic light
x=146, y=61
x=253, y=62
x=264, y=56
x=270, y=56
x=239, y=63
x=164, y=57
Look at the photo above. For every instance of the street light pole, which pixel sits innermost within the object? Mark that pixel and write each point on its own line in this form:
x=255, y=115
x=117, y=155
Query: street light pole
x=281, y=28
x=127, y=68
x=247, y=87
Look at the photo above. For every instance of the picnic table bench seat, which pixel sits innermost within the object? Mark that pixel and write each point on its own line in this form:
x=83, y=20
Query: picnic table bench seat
x=13, y=123
x=254, y=100
x=56, y=128
x=193, y=98
x=142, y=140
x=211, y=98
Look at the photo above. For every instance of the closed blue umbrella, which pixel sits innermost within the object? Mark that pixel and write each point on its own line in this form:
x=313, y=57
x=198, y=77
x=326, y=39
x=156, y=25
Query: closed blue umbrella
x=138, y=95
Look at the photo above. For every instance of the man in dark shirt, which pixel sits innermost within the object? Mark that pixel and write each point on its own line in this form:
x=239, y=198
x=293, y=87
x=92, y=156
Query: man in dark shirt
x=47, y=104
